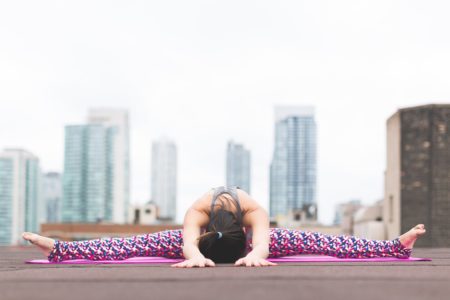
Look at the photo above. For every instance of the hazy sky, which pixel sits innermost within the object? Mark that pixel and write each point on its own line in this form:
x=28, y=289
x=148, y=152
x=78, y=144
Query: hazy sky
x=202, y=72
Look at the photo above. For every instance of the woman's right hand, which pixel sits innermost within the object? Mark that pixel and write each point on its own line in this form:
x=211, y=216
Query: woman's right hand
x=198, y=261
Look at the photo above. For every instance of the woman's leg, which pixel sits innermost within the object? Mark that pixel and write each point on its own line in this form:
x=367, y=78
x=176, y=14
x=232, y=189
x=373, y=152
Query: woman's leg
x=163, y=244
x=292, y=242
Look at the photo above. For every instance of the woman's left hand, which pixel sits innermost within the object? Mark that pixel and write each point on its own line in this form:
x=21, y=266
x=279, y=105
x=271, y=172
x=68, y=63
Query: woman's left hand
x=253, y=261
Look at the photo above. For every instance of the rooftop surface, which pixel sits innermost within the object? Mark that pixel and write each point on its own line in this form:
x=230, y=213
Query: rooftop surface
x=395, y=280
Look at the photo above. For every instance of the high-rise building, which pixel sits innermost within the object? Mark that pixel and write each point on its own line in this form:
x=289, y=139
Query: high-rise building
x=164, y=177
x=19, y=195
x=293, y=167
x=52, y=196
x=87, y=174
x=417, y=174
x=116, y=120
x=96, y=169
x=238, y=166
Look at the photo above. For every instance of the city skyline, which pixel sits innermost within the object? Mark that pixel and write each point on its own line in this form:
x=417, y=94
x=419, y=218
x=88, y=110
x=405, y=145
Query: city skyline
x=178, y=204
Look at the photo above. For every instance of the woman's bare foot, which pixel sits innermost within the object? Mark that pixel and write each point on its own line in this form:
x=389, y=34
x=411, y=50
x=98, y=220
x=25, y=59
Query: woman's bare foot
x=409, y=238
x=45, y=244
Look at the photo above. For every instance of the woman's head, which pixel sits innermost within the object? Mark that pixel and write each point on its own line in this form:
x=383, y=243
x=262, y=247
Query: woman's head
x=224, y=240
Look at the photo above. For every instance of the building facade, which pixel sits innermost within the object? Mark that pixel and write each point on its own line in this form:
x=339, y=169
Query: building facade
x=96, y=169
x=117, y=123
x=143, y=214
x=19, y=195
x=238, y=166
x=368, y=222
x=417, y=174
x=87, y=182
x=52, y=196
x=293, y=166
x=164, y=178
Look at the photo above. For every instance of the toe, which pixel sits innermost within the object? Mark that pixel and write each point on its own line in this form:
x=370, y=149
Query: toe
x=27, y=235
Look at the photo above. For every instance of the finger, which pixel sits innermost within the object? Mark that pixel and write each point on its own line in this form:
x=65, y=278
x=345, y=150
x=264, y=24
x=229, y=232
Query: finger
x=184, y=265
x=248, y=264
x=179, y=265
x=257, y=264
x=210, y=263
x=238, y=262
x=201, y=264
x=264, y=263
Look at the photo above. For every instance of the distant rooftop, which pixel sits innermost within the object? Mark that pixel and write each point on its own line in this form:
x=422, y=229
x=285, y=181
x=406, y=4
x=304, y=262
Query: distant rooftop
x=17, y=151
x=431, y=105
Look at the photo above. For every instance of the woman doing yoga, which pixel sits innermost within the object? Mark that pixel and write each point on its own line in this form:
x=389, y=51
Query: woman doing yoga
x=226, y=226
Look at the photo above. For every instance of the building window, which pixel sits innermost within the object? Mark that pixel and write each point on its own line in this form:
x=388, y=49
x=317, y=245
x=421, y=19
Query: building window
x=137, y=216
x=442, y=128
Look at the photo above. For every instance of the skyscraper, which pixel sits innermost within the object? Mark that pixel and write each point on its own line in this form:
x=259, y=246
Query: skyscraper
x=417, y=173
x=96, y=168
x=116, y=120
x=52, y=196
x=87, y=174
x=19, y=195
x=238, y=166
x=293, y=167
x=164, y=177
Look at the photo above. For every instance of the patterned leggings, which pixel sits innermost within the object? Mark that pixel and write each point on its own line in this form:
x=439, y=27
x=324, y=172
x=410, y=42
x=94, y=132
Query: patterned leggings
x=283, y=242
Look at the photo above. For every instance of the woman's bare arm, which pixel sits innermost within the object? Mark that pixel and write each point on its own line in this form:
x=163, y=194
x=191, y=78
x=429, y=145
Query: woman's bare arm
x=193, y=222
x=257, y=218
x=194, y=219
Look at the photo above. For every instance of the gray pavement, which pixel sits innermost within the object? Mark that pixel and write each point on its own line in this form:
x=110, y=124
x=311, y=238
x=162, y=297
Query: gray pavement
x=416, y=280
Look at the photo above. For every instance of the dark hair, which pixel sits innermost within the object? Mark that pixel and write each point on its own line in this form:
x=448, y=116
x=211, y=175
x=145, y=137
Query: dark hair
x=224, y=240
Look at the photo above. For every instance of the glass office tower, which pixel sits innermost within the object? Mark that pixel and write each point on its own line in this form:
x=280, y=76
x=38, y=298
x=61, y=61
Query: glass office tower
x=52, y=196
x=164, y=178
x=118, y=164
x=293, y=167
x=238, y=166
x=87, y=180
x=19, y=195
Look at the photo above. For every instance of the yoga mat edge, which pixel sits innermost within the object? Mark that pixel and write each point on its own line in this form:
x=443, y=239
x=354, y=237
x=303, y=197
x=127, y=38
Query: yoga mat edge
x=285, y=259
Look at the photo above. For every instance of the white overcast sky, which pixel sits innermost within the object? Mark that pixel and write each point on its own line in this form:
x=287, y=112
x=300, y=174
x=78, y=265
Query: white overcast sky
x=202, y=72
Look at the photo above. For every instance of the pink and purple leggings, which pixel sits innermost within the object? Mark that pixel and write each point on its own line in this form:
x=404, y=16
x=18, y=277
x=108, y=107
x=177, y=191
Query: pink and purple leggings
x=283, y=242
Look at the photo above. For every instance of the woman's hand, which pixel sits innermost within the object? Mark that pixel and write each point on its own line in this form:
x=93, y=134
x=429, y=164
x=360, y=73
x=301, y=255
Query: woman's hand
x=253, y=261
x=198, y=261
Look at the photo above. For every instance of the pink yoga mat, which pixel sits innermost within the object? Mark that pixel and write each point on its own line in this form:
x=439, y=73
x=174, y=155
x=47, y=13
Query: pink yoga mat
x=284, y=259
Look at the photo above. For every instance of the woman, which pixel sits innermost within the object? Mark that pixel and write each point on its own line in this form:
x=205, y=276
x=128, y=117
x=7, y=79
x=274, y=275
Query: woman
x=226, y=226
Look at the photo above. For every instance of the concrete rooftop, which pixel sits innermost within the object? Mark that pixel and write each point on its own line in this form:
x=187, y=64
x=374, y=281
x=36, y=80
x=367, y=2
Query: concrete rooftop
x=415, y=280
